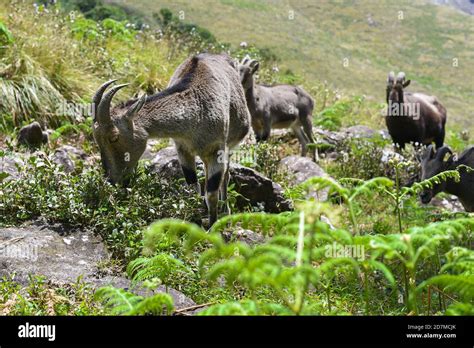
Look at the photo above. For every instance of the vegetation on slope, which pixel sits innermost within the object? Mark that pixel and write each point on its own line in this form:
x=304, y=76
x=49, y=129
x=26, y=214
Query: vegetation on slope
x=352, y=45
x=417, y=260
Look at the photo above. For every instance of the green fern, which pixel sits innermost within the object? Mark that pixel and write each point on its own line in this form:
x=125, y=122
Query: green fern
x=121, y=302
x=463, y=285
x=162, y=266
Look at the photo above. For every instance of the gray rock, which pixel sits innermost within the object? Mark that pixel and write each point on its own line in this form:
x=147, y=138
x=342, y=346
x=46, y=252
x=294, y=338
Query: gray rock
x=450, y=203
x=328, y=137
x=389, y=153
x=246, y=236
x=335, y=138
x=166, y=163
x=256, y=189
x=32, y=135
x=303, y=168
x=62, y=255
x=150, y=153
x=359, y=131
x=11, y=163
x=50, y=251
x=179, y=299
x=66, y=155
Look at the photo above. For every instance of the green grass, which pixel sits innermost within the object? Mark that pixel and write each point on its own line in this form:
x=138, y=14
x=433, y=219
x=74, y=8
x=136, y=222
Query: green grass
x=41, y=297
x=36, y=86
x=311, y=48
x=323, y=33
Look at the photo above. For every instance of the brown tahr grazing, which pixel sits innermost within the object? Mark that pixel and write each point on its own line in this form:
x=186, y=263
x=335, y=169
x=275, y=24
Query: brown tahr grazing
x=281, y=106
x=203, y=110
x=433, y=162
x=413, y=117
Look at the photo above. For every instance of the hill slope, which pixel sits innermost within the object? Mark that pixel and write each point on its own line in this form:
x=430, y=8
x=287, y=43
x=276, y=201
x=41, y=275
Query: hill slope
x=320, y=36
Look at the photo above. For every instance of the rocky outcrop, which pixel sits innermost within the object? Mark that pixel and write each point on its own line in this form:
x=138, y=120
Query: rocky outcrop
x=50, y=250
x=302, y=169
x=255, y=189
x=242, y=235
x=67, y=155
x=10, y=164
x=62, y=255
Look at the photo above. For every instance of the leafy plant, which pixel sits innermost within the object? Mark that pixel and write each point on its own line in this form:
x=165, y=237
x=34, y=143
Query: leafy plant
x=6, y=36
x=122, y=302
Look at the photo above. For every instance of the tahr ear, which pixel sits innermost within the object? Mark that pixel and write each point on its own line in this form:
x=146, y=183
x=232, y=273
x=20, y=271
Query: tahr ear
x=135, y=108
x=405, y=84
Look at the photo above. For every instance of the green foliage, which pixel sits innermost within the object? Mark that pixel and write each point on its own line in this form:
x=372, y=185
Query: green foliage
x=362, y=158
x=172, y=24
x=40, y=297
x=161, y=266
x=298, y=258
x=86, y=29
x=264, y=157
x=460, y=284
x=87, y=199
x=96, y=10
x=331, y=117
x=460, y=309
x=6, y=36
x=117, y=29
x=122, y=302
x=458, y=141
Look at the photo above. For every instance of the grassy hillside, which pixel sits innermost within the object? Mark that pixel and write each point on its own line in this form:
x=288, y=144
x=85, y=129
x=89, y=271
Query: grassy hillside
x=387, y=255
x=369, y=34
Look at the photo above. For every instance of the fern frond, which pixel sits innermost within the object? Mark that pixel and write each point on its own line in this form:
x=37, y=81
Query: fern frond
x=160, y=266
x=463, y=285
x=118, y=300
x=157, y=304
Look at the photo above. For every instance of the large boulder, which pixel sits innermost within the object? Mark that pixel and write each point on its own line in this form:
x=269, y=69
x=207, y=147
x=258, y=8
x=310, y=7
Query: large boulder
x=62, y=255
x=32, y=135
x=248, y=237
x=359, y=131
x=255, y=189
x=302, y=169
x=448, y=202
x=180, y=300
x=67, y=155
x=11, y=163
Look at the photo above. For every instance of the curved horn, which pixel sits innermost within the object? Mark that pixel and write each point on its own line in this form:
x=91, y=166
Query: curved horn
x=442, y=151
x=391, y=77
x=103, y=110
x=401, y=77
x=245, y=60
x=253, y=62
x=98, y=96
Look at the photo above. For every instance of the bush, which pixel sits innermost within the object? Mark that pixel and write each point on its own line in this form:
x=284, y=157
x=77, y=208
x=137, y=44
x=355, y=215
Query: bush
x=87, y=199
